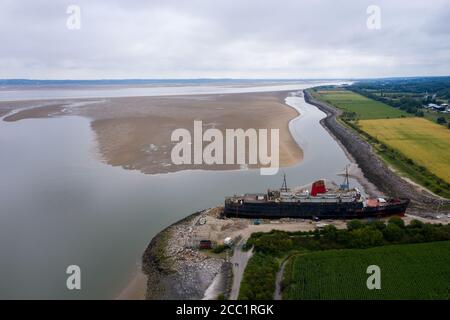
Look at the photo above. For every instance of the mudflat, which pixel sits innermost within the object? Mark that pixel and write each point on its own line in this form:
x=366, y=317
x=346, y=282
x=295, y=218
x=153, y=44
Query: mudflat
x=135, y=132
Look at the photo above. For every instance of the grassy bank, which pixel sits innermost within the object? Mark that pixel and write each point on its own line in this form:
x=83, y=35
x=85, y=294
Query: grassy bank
x=358, y=106
x=415, y=271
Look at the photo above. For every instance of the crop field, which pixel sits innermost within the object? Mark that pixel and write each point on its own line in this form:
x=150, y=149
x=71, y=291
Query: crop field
x=364, y=108
x=425, y=142
x=409, y=271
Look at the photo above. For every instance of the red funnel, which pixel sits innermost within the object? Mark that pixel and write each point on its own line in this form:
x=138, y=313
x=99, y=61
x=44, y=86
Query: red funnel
x=318, y=187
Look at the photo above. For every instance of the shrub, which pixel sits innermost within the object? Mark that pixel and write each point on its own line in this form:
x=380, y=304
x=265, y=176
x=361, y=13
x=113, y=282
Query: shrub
x=258, y=282
x=219, y=248
x=441, y=120
x=378, y=224
x=416, y=224
x=366, y=237
x=354, y=224
x=275, y=242
x=397, y=221
x=393, y=233
x=221, y=296
x=330, y=233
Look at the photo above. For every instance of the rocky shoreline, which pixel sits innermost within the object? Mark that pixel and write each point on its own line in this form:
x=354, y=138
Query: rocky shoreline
x=373, y=168
x=175, y=269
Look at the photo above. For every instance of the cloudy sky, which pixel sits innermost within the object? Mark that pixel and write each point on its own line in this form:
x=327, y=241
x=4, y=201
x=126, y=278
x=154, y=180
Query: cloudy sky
x=223, y=38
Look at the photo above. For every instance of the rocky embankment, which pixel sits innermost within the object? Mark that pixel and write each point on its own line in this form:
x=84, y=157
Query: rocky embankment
x=176, y=269
x=373, y=168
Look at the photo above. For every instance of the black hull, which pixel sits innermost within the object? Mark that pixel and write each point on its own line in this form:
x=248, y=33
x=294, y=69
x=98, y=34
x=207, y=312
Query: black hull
x=304, y=210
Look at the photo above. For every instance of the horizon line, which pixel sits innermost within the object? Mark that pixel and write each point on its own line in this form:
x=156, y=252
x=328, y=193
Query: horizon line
x=219, y=78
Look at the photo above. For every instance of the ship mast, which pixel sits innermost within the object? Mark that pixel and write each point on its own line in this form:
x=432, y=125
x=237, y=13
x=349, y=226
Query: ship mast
x=284, y=187
x=347, y=182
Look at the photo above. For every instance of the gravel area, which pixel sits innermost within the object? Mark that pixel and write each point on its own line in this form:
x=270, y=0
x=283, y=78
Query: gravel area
x=176, y=269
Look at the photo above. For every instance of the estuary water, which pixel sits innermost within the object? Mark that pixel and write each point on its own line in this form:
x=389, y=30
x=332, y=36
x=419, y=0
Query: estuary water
x=60, y=205
x=8, y=93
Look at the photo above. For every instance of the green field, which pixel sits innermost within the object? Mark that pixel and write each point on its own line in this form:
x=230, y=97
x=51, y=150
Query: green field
x=364, y=108
x=409, y=271
x=425, y=142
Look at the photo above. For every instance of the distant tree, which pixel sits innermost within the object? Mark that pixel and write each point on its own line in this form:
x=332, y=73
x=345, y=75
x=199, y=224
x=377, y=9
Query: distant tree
x=272, y=243
x=221, y=296
x=378, y=224
x=347, y=115
x=343, y=238
x=354, y=224
x=419, y=113
x=219, y=248
x=415, y=224
x=441, y=120
x=330, y=233
x=428, y=232
x=366, y=237
x=398, y=221
x=393, y=233
x=259, y=278
x=437, y=190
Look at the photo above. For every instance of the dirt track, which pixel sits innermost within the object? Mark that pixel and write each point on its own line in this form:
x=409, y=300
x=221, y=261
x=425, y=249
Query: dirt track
x=373, y=168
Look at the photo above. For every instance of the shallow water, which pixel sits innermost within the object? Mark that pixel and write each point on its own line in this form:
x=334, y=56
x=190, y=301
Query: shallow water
x=95, y=91
x=60, y=205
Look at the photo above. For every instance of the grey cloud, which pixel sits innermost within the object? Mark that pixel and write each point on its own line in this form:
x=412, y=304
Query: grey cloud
x=223, y=38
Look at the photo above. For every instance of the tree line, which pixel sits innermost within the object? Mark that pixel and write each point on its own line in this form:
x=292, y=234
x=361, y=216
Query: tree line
x=271, y=248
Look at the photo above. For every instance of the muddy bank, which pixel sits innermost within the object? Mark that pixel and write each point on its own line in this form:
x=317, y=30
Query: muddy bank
x=135, y=132
x=372, y=167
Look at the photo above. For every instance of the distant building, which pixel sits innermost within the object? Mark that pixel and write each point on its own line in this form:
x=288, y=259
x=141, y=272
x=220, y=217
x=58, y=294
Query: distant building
x=437, y=107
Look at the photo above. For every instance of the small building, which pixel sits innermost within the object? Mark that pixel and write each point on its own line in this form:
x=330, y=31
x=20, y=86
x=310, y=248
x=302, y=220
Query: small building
x=446, y=107
x=228, y=242
x=432, y=105
x=437, y=107
x=205, y=244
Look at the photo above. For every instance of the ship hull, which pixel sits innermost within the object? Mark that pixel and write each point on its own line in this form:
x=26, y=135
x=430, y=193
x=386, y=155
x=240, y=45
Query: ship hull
x=304, y=210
